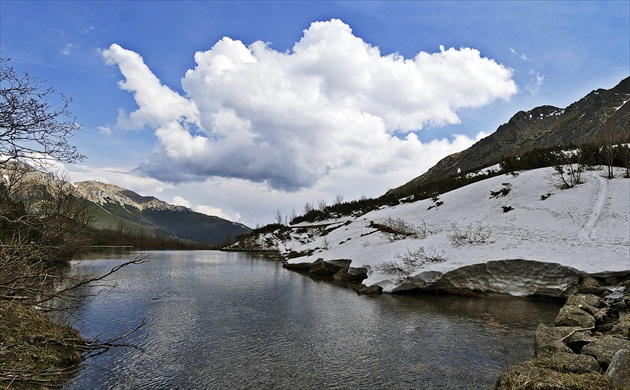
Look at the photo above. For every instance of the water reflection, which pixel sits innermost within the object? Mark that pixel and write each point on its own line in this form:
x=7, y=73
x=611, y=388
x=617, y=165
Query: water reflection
x=225, y=320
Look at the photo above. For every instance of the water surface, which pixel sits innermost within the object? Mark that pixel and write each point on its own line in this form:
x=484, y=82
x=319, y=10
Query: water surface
x=222, y=320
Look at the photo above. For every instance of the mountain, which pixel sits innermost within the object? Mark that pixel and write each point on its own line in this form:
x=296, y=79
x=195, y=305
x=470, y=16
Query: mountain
x=119, y=208
x=602, y=115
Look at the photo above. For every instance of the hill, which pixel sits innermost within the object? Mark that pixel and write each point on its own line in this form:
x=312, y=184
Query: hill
x=117, y=208
x=601, y=116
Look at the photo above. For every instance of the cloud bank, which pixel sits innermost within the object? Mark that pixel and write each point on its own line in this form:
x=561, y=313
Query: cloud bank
x=332, y=107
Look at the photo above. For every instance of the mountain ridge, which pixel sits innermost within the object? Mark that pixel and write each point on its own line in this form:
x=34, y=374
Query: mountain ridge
x=117, y=208
x=103, y=193
x=582, y=122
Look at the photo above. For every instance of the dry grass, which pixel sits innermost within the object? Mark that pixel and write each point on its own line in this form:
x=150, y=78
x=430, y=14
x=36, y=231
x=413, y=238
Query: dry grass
x=35, y=352
x=528, y=376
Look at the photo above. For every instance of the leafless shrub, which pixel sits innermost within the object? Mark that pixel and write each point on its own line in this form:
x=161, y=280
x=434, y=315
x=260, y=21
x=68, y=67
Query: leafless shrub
x=409, y=262
x=419, y=257
x=394, y=269
x=397, y=229
x=471, y=234
x=567, y=176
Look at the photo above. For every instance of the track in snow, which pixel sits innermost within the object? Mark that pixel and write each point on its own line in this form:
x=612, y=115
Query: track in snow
x=585, y=233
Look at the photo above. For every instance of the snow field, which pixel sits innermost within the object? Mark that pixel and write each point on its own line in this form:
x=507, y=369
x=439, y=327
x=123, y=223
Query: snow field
x=586, y=228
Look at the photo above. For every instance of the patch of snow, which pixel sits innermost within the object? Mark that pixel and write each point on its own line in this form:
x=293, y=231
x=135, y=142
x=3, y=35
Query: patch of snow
x=485, y=171
x=622, y=104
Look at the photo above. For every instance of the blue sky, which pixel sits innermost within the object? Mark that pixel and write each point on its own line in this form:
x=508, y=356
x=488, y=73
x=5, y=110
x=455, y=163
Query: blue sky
x=300, y=123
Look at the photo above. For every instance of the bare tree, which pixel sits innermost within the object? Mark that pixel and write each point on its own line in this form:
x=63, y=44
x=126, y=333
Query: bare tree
x=43, y=211
x=42, y=223
x=338, y=199
x=608, y=140
x=31, y=128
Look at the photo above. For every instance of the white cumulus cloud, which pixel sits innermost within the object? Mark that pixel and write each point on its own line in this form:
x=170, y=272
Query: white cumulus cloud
x=217, y=212
x=179, y=201
x=331, y=106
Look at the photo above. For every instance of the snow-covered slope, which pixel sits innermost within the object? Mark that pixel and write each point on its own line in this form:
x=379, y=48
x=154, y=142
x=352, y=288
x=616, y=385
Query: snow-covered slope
x=540, y=245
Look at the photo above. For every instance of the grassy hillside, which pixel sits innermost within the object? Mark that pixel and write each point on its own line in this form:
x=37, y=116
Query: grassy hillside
x=186, y=225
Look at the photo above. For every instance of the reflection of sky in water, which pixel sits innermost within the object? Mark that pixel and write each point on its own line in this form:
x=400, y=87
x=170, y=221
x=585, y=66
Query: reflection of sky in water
x=225, y=320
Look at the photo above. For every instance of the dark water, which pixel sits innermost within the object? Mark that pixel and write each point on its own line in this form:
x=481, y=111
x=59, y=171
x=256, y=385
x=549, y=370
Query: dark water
x=217, y=320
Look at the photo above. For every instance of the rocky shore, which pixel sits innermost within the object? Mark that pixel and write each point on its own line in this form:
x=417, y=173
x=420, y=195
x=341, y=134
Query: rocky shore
x=338, y=271
x=589, y=346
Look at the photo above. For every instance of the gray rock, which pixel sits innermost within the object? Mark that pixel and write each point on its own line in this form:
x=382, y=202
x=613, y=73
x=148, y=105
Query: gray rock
x=344, y=275
x=362, y=289
x=591, y=286
x=603, y=316
x=572, y=362
x=321, y=267
x=585, y=299
x=578, y=340
x=623, y=327
x=299, y=267
x=570, y=315
x=359, y=272
x=342, y=263
x=605, y=348
x=547, y=340
x=619, y=370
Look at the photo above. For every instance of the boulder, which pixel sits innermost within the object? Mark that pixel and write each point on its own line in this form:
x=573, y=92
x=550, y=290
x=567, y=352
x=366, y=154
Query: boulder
x=345, y=275
x=571, y=362
x=591, y=286
x=578, y=340
x=299, y=267
x=358, y=272
x=605, y=348
x=362, y=289
x=570, y=315
x=623, y=326
x=586, y=299
x=547, y=340
x=321, y=267
x=603, y=315
x=619, y=370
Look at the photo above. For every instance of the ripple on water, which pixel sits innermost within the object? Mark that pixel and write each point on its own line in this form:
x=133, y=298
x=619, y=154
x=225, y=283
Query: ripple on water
x=225, y=320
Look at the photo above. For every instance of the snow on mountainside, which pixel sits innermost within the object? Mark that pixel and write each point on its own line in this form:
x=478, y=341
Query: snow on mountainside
x=102, y=193
x=532, y=237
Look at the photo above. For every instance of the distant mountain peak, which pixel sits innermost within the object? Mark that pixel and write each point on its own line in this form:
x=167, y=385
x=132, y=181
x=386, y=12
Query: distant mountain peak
x=103, y=193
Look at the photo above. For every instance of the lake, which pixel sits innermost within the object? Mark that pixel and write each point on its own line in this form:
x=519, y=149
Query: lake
x=225, y=320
